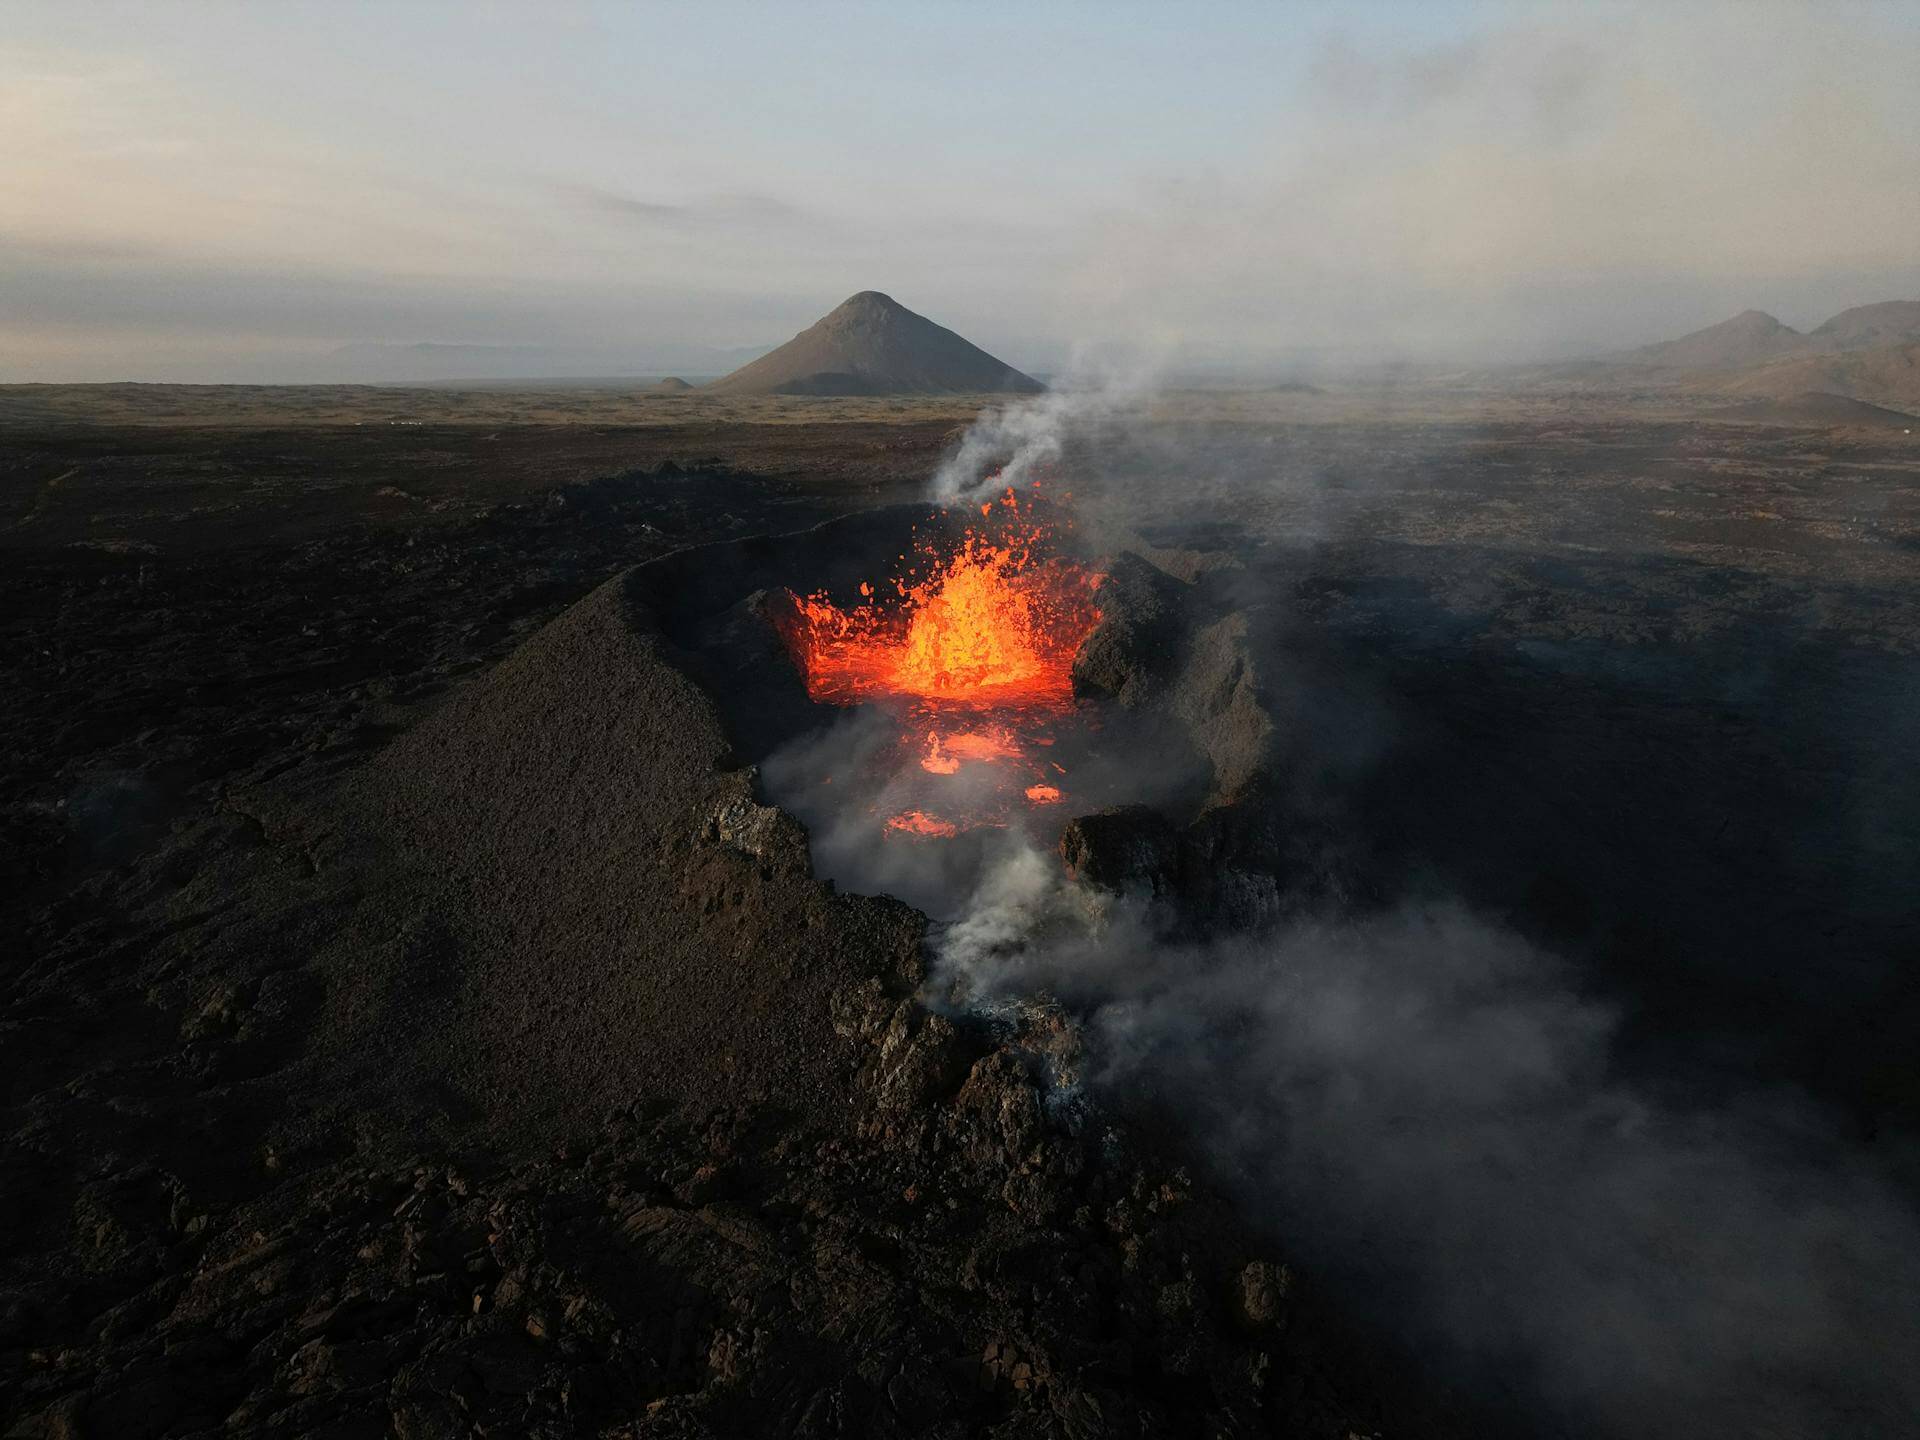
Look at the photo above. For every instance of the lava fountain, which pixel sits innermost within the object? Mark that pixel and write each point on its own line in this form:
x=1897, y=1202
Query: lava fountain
x=971, y=647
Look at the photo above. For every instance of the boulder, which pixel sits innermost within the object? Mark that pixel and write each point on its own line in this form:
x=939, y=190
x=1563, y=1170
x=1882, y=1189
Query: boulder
x=1135, y=649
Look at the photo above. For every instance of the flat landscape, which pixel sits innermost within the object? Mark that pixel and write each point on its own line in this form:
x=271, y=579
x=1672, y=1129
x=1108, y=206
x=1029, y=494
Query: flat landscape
x=1634, y=686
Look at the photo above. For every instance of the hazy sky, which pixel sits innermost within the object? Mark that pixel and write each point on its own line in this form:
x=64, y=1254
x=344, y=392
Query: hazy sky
x=229, y=191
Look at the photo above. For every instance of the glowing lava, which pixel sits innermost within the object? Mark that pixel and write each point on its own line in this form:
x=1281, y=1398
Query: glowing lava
x=946, y=753
x=919, y=823
x=977, y=654
x=995, y=623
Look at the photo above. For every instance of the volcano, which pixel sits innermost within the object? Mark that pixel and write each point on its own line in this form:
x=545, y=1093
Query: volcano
x=871, y=344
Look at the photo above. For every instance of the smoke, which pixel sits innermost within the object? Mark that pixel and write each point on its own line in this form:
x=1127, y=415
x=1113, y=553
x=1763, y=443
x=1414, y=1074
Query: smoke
x=842, y=780
x=1427, y=1110
x=1432, y=1112
x=1009, y=447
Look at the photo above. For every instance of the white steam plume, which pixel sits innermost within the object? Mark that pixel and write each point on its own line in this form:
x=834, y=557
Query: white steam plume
x=1005, y=447
x=1426, y=1106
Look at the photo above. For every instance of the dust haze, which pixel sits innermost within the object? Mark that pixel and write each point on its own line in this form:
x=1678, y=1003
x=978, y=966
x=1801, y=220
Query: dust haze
x=1543, y=185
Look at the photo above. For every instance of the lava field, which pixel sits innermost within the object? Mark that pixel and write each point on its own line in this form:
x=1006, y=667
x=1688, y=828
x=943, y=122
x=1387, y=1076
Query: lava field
x=479, y=973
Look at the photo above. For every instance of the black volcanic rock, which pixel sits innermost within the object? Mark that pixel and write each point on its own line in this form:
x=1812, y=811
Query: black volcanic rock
x=1137, y=644
x=1121, y=849
x=873, y=345
x=1183, y=668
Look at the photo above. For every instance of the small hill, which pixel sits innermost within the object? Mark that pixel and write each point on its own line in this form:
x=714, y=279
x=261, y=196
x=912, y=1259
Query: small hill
x=672, y=385
x=555, y=988
x=1819, y=408
x=873, y=345
x=1891, y=322
x=1870, y=354
x=1886, y=375
x=1748, y=338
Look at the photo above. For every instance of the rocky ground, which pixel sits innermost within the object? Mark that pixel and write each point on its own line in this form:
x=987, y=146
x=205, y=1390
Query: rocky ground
x=236, y=1200
x=225, y=1217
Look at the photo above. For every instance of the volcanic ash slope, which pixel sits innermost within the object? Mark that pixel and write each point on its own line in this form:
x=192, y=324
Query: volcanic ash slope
x=614, y=915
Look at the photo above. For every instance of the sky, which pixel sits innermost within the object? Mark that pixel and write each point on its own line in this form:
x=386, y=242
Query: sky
x=262, y=192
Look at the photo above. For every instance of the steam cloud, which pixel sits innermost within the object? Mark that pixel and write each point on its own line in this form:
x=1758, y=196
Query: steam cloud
x=1426, y=1107
x=1429, y=1111
x=1009, y=447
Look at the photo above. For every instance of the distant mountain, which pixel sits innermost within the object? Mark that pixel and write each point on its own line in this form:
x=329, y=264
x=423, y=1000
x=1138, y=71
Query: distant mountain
x=1818, y=408
x=1891, y=322
x=1749, y=337
x=873, y=345
x=1870, y=353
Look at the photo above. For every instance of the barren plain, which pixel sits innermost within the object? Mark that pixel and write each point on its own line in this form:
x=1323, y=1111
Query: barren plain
x=1638, y=684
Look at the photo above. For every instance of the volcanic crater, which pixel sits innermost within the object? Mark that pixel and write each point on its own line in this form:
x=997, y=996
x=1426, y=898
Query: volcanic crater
x=564, y=1064
x=1099, y=703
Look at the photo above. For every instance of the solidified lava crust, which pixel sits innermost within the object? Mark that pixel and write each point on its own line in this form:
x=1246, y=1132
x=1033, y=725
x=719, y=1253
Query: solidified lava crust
x=524, y=1080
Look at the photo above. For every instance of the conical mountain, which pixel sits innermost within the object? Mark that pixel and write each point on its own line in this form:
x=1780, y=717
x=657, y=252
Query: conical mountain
x=873, y=345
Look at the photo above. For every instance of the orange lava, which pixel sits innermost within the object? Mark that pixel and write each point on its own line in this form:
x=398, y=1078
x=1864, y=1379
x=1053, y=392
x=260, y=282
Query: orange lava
x=996, y=622
x=990, y=745
x=918, y=822
x=946, y=753
x=976, y=654
x=937, y=762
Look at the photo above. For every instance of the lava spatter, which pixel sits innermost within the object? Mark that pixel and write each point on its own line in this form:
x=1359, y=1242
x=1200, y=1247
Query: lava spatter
x=976, y=656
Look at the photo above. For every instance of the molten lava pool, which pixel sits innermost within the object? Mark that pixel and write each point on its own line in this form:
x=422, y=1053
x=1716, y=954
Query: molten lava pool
x=971, y=647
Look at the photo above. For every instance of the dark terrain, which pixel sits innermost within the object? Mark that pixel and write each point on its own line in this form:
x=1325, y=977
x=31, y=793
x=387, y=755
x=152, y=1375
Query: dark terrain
x=298, y=1141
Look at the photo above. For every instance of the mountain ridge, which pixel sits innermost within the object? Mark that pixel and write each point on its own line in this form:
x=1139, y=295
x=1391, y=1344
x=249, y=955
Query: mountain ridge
x=1868, y=353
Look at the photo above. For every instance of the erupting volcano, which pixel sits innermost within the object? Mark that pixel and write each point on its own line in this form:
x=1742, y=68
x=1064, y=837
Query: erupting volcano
x=995, y=623
x=975, y=656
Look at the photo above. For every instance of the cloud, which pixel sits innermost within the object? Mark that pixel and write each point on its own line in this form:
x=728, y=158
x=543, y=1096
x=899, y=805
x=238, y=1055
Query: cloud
x=1576, y=180
x=1556, y=180
x=719, y=210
